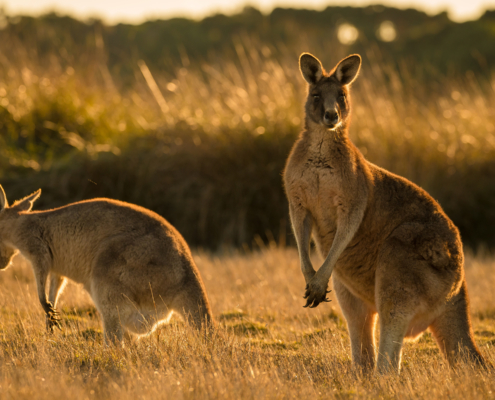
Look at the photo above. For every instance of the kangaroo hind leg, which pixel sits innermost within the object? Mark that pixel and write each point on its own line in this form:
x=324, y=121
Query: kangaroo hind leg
x=393, y=328
x=191, y=302
x=401, y=294
x=361, y=325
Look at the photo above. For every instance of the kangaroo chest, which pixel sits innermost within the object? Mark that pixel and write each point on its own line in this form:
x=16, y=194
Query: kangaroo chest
x=315, y=183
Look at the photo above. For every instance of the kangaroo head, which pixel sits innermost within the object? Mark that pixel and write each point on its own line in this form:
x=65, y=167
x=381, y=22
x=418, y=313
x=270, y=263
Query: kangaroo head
x=7, y=216
x=328, y=102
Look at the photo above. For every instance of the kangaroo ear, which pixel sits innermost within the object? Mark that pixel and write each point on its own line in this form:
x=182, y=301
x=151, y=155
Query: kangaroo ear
x=348, y=69
x=26, y=204
x=3, y=199
x=311, y=68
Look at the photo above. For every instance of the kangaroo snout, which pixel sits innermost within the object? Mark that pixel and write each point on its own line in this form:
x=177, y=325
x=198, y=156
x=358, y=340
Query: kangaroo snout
x=331, y=118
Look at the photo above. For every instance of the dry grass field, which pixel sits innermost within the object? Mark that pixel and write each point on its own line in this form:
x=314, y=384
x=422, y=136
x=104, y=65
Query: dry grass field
x=267, y=346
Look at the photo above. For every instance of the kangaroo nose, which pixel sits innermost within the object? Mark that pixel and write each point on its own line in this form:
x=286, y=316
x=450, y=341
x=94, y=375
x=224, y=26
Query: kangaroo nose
x=331, y=117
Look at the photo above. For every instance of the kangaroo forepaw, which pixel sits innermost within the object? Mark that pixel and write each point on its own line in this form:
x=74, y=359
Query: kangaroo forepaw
x=315, y=295
x=53, y=320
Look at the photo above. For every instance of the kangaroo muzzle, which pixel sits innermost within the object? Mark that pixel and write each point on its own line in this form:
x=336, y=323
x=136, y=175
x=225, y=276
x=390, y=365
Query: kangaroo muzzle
x=331, y=118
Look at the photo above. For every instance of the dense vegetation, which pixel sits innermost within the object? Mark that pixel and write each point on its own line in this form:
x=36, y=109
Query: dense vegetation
x=194, y=119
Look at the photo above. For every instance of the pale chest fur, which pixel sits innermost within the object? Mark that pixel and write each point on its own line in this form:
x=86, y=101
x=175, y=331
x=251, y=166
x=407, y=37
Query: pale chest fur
x=313, y=181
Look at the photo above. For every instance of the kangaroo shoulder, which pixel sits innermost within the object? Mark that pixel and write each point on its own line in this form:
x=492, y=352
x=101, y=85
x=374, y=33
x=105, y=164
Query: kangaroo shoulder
x=297, y=154
x=33, y=237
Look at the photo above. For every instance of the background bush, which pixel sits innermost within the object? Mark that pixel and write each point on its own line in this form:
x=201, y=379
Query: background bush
x=195, y=119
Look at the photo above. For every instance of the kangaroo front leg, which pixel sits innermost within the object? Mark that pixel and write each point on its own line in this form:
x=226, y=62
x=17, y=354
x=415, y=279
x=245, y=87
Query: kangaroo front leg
x=348, y=222
x=41, y=275
x=302, y=224
x=57, y=284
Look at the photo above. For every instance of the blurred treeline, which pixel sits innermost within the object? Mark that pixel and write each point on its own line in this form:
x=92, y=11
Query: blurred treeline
x=194, y=119
x=436, y=41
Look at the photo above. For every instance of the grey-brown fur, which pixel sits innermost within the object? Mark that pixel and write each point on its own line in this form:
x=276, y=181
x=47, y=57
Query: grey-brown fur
x=136, y=266
x=389, y=246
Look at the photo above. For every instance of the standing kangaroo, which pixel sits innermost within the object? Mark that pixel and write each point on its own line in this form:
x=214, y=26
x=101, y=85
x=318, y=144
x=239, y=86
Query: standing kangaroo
x=391, y=248
x=136, y=267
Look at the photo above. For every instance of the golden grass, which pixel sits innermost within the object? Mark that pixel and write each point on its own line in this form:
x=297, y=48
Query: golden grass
x=268, y=345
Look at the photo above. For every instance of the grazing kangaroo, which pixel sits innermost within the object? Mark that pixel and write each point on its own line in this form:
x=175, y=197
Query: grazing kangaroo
x=389, y=245
x=137, y=268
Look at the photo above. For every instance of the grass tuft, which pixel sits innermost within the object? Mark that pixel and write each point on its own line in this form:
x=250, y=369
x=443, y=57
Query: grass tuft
x=232, y=314
x=250, y=327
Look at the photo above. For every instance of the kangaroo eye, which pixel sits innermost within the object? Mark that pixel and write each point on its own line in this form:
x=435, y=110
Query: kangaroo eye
x=316, y=97
x=342, y=98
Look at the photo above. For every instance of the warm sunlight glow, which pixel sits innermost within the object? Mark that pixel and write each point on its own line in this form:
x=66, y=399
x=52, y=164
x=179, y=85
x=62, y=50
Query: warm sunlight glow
x=347, y=34
x=386, y=31
x=115, y=11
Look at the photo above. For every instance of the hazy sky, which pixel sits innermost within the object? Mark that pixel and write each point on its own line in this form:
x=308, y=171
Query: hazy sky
x=137, y=11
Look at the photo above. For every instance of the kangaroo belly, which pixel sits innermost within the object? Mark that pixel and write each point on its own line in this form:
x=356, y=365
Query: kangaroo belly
x=359, y=279
x=356, y=266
